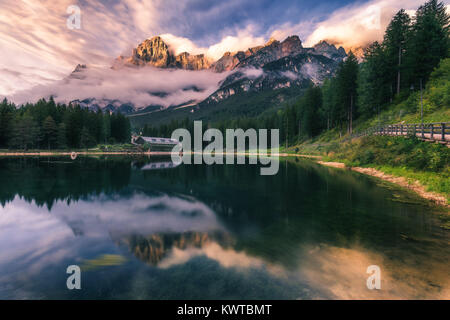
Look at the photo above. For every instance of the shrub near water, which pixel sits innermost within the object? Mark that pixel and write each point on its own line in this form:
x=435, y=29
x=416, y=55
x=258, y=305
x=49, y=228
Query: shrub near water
x=411, y=158
x=396, y=152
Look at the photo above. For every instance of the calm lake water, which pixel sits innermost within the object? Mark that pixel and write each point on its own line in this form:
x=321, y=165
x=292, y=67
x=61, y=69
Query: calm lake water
x=213, y=232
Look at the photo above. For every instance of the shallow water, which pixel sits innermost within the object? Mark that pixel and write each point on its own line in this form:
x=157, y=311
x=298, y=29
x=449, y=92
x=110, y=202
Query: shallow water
x=213, y=232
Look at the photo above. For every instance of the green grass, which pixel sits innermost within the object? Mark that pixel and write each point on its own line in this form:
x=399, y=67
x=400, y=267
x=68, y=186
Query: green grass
x=428, y=163
x=394, y=151
x=433, y=181
x=411, y=158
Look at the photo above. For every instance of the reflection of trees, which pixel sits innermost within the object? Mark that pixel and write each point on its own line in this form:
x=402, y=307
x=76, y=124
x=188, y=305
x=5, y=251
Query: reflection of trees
x=153, y=248
x=48, y=180
x=302, y=203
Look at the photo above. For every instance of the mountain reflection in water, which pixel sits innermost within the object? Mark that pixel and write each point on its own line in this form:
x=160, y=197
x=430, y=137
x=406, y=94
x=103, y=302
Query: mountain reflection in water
x=213, y=232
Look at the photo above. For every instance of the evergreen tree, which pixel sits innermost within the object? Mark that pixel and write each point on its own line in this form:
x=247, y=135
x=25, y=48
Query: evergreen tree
x=328, y=108
x=394, y=43
x=347, y=76
x=374, y=89
x=61, y=138
x=86, y=139
x=429, y=41
x=310, y=105
x=49, y=131
x=24, y=132
x=6, y=122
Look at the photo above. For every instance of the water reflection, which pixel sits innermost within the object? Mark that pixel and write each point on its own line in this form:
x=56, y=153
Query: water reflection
x=156, y=165
x=213, y=232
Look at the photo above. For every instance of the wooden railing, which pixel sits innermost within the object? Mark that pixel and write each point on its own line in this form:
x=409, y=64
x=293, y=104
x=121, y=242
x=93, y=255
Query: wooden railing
x=438, y=131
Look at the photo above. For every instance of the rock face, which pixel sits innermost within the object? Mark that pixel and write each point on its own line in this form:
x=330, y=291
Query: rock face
x=228, y=61
x=330, y=51
x=152, y=51
x=155, y=52
x=285, y=64
x=190, y=62
x=78, y=73
x=270, y=67
x=297, y=71
x=273, y=50
x=258, y=56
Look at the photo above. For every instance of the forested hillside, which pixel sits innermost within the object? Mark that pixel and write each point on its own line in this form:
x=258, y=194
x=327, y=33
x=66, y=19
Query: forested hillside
x=47, y=125
x=382, y=88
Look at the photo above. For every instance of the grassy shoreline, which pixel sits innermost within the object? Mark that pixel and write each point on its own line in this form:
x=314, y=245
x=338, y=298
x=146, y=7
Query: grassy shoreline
x=407, y=180
x=420, y=165
x=430, y=185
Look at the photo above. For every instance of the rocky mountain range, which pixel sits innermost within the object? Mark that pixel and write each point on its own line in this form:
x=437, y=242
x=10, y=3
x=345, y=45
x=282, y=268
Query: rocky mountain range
x=278, y=69
x=155, y=52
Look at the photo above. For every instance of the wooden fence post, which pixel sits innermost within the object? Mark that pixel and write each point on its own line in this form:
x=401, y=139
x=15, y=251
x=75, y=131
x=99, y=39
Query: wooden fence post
x=443, y=131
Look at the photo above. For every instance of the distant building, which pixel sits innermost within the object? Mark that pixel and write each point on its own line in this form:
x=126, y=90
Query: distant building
x=155, y=144
x=156, y=165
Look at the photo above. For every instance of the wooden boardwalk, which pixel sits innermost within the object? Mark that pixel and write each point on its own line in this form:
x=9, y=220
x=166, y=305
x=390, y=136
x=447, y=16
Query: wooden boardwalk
x=438, y=132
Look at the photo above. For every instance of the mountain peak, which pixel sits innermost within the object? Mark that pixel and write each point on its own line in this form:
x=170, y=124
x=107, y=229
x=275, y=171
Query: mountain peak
x=292, y=44
x=152, y=51
x=78, y=72
x=292, y=39
x=156, y=38
x=329, y=50
x=271, y=41
x=324, y=44
x=155, y=52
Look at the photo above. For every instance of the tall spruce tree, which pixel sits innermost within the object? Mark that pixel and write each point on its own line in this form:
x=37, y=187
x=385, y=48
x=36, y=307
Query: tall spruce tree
x=429, y=41
x=62, y=136
x=347, y=77
x=395, y=40
x=49, y=132
x=374, y=89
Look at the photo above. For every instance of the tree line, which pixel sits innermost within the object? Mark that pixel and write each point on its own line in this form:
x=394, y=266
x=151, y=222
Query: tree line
x=47, y=125
x=392, y=69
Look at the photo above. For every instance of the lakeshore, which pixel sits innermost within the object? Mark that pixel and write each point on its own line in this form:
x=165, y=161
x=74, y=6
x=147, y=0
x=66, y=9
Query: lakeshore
x=191, y=227
x=415, y=186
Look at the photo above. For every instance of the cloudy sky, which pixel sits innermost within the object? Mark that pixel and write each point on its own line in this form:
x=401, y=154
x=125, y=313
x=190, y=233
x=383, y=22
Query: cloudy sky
x=37, y=47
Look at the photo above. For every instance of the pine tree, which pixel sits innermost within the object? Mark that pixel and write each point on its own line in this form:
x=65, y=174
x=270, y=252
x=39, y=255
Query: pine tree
x=24, y=132
x=310, y=105
x=395, y=43
x=49, y=131
x=374, y=89
x=86, y=139
x=347, y=76
x=61, y=137
x=6, y=119
x=429, y=41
